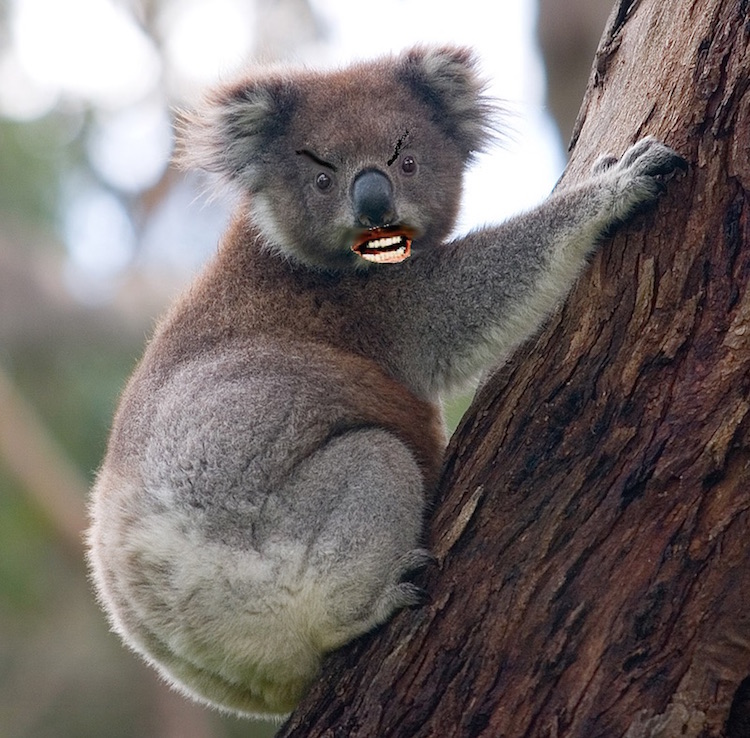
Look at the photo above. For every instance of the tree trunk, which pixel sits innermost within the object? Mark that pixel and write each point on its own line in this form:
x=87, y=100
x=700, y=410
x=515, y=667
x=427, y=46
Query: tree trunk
x=593, y=521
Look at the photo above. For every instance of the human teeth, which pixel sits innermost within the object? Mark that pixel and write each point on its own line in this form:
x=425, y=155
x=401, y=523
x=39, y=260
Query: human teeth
x=384, y=248
x=384, y=243
x=390, y=256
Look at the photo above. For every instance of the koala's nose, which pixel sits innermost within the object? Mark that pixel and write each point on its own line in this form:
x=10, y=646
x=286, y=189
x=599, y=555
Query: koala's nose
x=372, y=199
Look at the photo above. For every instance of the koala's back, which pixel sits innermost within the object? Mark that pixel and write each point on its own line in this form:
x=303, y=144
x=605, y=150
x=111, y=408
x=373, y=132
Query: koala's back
x=263, y=356
x=239, y=465
x=226, y=431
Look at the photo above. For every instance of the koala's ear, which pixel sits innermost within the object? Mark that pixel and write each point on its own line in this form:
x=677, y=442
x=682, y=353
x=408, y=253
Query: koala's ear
x=446, y=78
x=230, y=132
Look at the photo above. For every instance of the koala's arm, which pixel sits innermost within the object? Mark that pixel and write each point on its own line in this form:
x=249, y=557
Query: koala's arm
x=481, y=296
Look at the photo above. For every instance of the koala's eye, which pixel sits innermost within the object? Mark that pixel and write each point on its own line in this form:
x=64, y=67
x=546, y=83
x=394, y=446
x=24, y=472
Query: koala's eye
x=409, y=165
x=323, y=182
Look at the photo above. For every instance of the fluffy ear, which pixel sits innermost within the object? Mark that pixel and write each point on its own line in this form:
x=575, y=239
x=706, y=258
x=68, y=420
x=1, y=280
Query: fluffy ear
x=230, y=132
x=446, y=79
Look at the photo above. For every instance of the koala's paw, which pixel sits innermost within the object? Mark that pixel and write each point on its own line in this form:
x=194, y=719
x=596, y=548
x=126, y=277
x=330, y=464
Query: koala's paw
x=638, y=177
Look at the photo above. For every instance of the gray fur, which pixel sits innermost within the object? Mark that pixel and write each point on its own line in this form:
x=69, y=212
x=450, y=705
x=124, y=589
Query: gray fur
x=272, y=458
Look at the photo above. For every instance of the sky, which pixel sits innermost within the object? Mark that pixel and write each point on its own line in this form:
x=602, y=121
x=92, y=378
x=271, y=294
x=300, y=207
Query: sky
x=55, y=59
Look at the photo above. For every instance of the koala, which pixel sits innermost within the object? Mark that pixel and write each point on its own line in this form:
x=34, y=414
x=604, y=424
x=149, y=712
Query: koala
x=263, y=494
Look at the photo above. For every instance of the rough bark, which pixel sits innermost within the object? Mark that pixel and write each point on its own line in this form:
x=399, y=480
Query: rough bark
x=593, y=521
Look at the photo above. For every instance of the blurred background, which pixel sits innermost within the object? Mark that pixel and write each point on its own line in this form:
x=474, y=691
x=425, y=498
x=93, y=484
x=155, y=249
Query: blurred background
x=98, y=232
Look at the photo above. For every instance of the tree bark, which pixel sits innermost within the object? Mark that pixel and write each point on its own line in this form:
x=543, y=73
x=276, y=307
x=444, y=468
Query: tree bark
x=592, y=527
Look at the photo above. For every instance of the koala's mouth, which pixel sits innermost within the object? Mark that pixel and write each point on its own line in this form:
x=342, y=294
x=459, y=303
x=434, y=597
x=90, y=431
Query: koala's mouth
x=384, y=245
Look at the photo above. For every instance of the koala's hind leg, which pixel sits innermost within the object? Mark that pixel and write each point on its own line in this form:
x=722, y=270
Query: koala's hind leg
x=363, y=496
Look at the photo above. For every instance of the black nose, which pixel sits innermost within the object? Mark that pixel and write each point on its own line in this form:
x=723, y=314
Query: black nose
x=372, y=198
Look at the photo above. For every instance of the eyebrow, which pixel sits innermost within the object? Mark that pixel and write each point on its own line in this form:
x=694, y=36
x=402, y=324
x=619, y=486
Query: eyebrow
x=401, y=141
x=312, y=155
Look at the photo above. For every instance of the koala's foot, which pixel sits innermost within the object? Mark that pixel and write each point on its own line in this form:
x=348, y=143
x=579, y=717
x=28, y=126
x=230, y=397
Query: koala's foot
x=638, y=177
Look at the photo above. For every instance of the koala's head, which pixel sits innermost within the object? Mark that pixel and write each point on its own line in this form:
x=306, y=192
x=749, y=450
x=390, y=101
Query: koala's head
x=349, y=168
